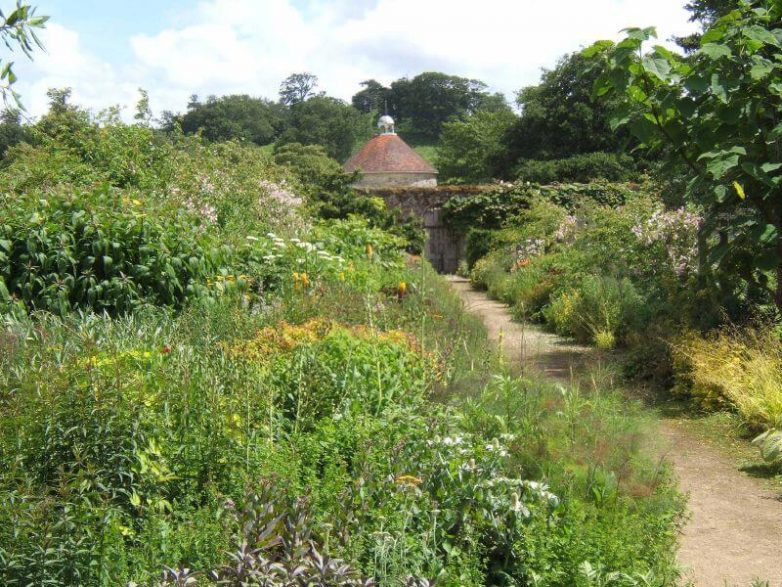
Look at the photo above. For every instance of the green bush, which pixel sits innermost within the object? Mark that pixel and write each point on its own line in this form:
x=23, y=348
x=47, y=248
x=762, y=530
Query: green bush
x=600, y=309
x=583, y=168
x=102, y=251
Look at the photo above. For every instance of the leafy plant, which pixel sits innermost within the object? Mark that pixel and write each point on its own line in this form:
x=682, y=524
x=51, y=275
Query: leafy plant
x=716, y=112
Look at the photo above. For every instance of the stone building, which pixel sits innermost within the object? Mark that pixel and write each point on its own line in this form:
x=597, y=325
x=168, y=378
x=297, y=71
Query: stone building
x=387, y=161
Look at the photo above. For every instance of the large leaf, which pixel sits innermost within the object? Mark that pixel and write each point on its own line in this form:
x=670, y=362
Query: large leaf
x=720, y=165
x=718, y=87
x=716, y=51
x=657, y=65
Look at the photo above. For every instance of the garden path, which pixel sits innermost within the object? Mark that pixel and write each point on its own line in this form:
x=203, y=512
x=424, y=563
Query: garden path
x=734, y=534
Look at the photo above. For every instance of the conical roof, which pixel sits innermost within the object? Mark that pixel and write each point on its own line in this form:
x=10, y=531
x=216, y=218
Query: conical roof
x=387, y=153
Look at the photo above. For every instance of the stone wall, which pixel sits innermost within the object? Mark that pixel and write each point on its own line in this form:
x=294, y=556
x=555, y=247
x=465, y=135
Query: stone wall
x=402, y=180
x=444, y=246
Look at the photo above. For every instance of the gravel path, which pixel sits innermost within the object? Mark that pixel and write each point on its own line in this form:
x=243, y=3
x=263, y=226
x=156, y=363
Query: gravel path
x=734, y=534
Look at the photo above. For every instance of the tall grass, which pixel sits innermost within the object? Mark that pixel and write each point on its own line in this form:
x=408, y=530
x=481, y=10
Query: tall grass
x=740, y=369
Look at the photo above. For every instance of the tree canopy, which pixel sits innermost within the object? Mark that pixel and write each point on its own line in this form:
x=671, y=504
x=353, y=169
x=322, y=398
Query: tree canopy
x=560, y=117
x=329, y=122
x=718, y=112
x=297, y=87
x=422, y=105
x=235, y=117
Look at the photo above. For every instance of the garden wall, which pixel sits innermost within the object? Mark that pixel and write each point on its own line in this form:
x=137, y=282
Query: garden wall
x=444, y=247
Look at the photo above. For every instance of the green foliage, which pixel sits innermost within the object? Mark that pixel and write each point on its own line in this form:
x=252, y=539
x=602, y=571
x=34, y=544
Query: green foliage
x=328, y=122
x=320, y=406
x=423, y=104
x=18, y=31
x=469, y=148
x=581, y=168
x=599, y=310
x=499, y=206
x=716, y=112
x=94, y=250
x=238, y=117
x=11, y=131
x=311, y=165
x=560, y=118
x=297, y=88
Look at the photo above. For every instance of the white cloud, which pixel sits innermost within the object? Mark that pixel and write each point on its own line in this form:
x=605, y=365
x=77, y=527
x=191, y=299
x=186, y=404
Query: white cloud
x=249, y=46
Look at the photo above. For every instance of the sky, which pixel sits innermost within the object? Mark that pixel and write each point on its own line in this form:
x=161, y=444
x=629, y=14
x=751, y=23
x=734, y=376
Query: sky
x=106, y=49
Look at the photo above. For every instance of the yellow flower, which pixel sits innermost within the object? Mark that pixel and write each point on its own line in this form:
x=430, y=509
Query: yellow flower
x=402, y=289
x=370, y=251
x=408, y=480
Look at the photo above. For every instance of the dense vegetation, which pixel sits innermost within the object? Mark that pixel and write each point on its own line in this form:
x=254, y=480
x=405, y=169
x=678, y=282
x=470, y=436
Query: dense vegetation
x=220, y=365
x=212, y=370
x=685, y=272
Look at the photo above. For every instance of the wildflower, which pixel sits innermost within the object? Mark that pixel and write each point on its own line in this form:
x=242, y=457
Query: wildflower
x=166, y=349
x=402, y=289
x=370, y=251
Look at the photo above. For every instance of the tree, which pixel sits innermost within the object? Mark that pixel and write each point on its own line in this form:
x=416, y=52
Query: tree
x=373, y=98
x=423, y=104
x=470, y=148
x=17, y=29
x=143, y=114
x=560, y=117
x=12, y=132
x=297, y=87
x=234, y=117
x=311, y=165
x=718, y=111
x=705, y=12
x=328, y=122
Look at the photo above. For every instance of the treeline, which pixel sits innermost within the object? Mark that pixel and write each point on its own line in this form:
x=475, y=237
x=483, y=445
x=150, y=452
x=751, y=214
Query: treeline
x=557, y=132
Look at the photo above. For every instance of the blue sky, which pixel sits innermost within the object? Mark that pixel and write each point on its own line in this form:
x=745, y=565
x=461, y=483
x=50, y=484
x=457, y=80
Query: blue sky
x=105, y=50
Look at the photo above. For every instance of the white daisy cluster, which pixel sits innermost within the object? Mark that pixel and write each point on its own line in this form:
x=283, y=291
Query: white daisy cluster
x=303, y=255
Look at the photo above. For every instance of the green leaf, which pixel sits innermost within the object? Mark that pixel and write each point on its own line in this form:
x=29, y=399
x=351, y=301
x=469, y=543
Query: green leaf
x=713, y=35
x=761, y=70
x=657, y=66
x=718, y=88
x=641, y=34
x=719, y=166
x=721, y=193
x=760, y=34
x=5, y=296
x=597, y=48
x=715, y=51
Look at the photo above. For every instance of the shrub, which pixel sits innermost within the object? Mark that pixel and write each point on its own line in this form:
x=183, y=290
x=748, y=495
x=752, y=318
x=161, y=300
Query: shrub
x=582, y=168
x=741, y=369
x=600, y=306
x=103, y=251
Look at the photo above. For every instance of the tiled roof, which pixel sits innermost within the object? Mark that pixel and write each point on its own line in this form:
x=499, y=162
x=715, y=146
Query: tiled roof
x=387, y=153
